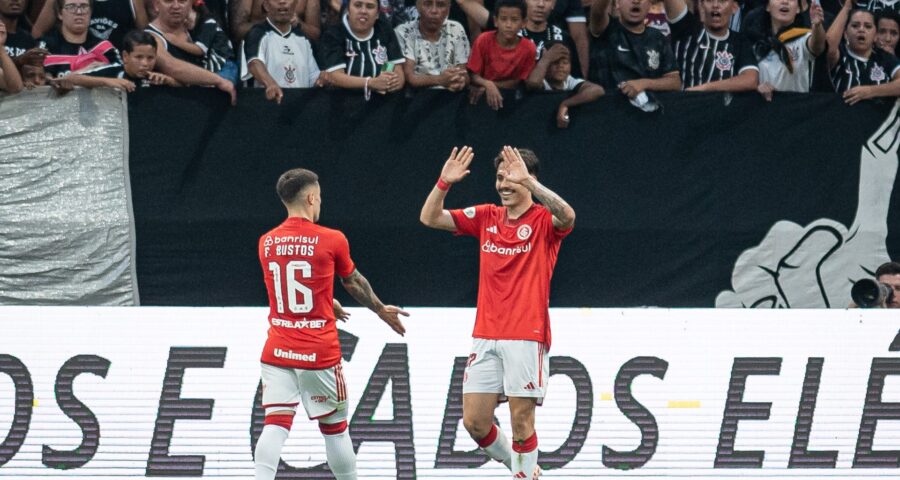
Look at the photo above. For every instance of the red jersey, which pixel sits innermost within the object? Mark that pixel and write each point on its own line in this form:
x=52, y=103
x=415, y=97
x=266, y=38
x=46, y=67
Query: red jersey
x=515, y=267
x=299, y=260
x=494, y=62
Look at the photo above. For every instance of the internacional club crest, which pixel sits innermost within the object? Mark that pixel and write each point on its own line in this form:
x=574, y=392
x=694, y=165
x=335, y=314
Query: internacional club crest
x=523, y=232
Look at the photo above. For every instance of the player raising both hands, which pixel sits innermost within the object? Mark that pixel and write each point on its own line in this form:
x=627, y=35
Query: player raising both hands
x=519, y=241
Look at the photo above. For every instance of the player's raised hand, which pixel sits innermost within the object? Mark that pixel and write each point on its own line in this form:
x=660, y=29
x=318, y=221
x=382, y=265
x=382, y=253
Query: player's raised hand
x=513, y=168
x=457, y=166
x=391, y=316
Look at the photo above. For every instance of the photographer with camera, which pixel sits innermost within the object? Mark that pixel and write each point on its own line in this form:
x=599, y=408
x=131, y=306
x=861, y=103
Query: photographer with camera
x=883, y=292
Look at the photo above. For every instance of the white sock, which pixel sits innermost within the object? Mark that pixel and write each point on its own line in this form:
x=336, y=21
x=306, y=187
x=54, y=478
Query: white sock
x=268, y=451
x=499, y=449
x=525, y=458
x=341, y=459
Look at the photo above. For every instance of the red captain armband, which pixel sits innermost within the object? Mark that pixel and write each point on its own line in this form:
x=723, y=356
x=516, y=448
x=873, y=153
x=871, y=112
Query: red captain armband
x=442, y=185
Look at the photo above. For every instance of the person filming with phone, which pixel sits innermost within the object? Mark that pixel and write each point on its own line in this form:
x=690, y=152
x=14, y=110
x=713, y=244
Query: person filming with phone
x=362, y=52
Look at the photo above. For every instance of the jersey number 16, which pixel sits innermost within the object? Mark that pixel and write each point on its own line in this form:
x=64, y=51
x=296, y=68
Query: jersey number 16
x=294, y=287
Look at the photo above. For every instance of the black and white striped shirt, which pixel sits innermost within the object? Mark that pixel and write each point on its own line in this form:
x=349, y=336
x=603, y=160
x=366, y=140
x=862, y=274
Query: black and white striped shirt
x=704, y=58
x=359, y=57
x=853, y=70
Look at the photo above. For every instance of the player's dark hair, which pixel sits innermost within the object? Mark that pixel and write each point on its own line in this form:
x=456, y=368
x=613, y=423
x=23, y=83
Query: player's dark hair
x=136, y=38
x=294, y=181
x=532, y=164
x=520, y=4
x=889, y=268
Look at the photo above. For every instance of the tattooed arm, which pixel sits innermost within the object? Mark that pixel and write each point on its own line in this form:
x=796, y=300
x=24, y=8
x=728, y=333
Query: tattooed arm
x=358, y=288
x=563, y=214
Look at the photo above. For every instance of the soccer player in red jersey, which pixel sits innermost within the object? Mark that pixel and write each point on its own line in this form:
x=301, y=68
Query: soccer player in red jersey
x=519, y=244
x=301, y=360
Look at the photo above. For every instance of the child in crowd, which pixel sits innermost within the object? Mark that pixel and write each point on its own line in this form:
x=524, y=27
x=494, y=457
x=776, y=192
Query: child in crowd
x=501, y=58
x=33, y=75
x=555, y=68
x=139, y=61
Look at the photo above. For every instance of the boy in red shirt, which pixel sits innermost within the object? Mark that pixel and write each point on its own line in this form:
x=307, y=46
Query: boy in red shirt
x=501, y=58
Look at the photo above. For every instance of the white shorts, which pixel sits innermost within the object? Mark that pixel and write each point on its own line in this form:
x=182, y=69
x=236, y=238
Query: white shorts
x=323, y=392
x=512, y=368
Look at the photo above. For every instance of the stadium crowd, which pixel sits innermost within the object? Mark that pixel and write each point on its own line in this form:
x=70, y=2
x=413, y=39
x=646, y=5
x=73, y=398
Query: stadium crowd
x=586, y=47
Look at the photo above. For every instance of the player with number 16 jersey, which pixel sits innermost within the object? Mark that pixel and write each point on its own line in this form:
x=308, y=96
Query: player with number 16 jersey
x=299, y=260
x=301, y=360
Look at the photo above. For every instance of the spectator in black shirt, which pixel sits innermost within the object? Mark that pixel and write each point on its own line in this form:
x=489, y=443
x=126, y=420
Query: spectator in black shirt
x=109, y=19
x=887, y=31
x=573, y=13
x=188, y=74
x=540, y=30
x=73, y=48
x=628, y=56
x=362, y=52
x=170, y=28
x=710, y=56
x=10, y=81
x=18, y=37
x=858, y=69
x=877, y=5
x=139, y=51
x=207, y=34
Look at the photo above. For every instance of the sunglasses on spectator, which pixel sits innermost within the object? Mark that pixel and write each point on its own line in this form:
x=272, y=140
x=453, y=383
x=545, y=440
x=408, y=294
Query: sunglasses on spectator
x=77, y=7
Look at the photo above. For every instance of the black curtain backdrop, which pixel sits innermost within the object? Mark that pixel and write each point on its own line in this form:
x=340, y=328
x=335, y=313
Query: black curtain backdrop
x=665, y=201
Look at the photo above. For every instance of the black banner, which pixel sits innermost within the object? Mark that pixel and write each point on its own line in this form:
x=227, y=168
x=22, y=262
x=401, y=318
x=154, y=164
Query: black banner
x=666, y=202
